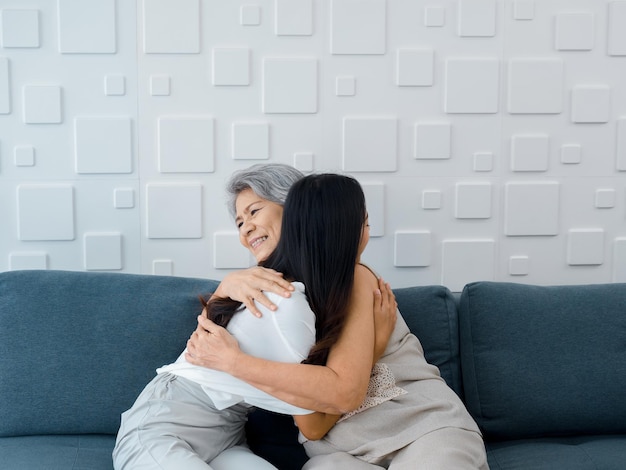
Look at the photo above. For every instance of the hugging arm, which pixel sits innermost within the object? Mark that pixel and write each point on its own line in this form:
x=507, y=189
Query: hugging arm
x=336, y=388
x=314, y=426
x=248, y=285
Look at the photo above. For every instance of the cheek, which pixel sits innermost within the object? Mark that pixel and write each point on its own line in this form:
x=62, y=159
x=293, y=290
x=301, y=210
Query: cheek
x=270, y=244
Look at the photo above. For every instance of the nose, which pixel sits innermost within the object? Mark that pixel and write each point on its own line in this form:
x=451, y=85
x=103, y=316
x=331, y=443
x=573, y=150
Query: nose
x=246, y=227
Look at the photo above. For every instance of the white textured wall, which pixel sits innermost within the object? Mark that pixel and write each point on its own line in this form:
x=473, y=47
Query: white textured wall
x=490, y=136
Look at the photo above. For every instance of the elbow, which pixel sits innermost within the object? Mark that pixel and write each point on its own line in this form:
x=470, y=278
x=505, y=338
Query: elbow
x=312, y=434
x=350, y=400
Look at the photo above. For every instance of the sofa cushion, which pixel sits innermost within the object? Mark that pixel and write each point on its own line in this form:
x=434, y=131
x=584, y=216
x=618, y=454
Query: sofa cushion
x=88, y=452
x=431, y=315
x=571, y=453
x=544, y=360
x=77, y=348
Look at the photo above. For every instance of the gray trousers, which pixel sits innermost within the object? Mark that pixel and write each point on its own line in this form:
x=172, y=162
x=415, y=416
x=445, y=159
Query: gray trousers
x=174, y=424
x=443, y=449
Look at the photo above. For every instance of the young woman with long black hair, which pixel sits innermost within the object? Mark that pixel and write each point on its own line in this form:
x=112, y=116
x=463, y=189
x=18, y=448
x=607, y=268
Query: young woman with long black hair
x=188, y=414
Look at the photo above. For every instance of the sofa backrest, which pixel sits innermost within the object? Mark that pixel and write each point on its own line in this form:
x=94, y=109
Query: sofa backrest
x=431, y=314
x=76, y=348
x=541, y=361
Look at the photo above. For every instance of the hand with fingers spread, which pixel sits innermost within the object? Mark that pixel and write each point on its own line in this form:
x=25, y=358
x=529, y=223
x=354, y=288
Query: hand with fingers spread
x=248, y=285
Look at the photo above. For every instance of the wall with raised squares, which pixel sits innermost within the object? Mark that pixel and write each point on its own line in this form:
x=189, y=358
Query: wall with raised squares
x=489, y=135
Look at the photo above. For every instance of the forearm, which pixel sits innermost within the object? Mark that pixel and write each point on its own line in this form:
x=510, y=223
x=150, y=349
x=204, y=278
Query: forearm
x=318, y=388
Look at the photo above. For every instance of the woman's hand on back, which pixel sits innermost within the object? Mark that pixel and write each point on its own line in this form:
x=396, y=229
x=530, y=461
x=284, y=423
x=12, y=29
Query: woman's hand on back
x=385, y=316
x=211, y=346
x=248, y=285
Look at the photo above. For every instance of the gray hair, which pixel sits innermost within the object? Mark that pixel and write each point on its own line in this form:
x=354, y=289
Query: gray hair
x=270, y=181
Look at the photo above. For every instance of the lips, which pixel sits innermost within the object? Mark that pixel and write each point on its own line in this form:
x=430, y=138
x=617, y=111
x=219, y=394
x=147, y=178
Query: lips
x=257, y=241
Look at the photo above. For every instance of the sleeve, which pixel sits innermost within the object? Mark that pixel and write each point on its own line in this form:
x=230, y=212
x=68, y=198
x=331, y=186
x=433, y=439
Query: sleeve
x=294, y=322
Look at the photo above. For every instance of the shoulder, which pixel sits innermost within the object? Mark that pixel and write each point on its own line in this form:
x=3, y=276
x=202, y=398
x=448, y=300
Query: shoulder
x=297, y=293
x=364, y=276
x=296, y=304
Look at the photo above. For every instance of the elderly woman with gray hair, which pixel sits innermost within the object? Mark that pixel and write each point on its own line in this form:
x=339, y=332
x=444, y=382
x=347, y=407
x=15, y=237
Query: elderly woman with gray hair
x=411, y=418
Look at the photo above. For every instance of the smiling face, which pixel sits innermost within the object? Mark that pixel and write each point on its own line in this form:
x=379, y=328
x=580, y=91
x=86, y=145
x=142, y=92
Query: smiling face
x=258, y=221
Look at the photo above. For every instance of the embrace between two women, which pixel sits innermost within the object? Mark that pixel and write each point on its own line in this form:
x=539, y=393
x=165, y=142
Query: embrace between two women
x=309, y=332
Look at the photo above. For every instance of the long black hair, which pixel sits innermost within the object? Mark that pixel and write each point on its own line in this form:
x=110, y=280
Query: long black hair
x=321, y=230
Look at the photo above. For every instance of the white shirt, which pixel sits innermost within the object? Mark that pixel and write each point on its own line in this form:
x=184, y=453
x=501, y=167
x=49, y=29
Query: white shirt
x=284, y=335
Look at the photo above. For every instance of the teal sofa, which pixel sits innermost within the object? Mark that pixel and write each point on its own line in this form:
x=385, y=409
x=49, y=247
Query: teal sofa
x=542, y=369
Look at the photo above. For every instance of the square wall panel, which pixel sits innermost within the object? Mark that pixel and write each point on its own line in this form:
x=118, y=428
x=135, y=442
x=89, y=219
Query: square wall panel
x=250, y=15
x=42, y=104
x=433, y=140
x=5, y=93
x=466, y=261
x=171, y=26
x=605, y=198
x=585, y=247
x=293, y=17
x=434, y=16
x=574, y=31
x=519, y=265
x=431, y=199
x=620, y=161
x=115, y=85
x=483, y=161
x=358, y=26
x=45, y=212
x=124, y=198
x=591, y=103
x=174, y=210
x=472, y=86
x=477, y=18
x=290, y=85
x=412, y=249
x=524, y=10
x=163, y=267
x=619, y=260
x=530, y=152
x=24, y=155
x=103, y=144
x=616, y=40
x=473, y=201
x=251, y=141
x=20, y=28
x=571, y=154
x=228, y=252
x=303, y=161
x=531, y=208
x=26, y=260
x=415, y=67
x=159, y=85
x=231, y=66
x=535, y=86
x=186, y=144
x=375, y=201
x=102, y=251
x=87, y=26
x=370, y=144
x=345, y=86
